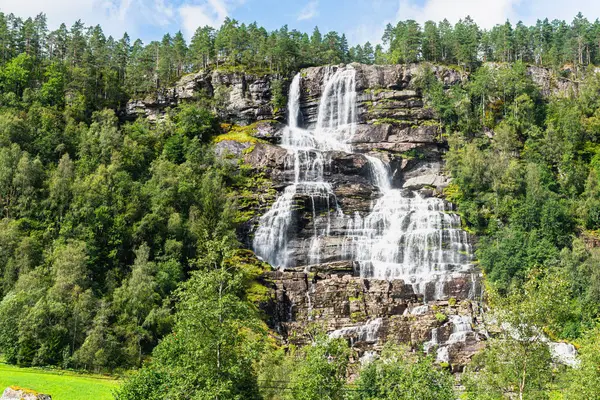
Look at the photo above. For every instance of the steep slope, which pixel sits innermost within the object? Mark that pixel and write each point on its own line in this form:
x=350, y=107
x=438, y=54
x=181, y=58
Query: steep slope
x=350, y=209
x=366, y=248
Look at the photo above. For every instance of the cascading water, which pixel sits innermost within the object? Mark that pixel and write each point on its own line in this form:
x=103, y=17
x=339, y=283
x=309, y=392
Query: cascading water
x=409, y=237
x=335, y=125
x=406, y=236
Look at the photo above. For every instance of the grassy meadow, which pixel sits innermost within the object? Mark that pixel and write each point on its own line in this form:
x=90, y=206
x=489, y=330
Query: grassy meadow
x=62, y=385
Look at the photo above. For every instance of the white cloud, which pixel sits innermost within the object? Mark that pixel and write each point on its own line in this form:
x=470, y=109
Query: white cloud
x=553, y=9
x=148, y=19
x=488, y=13
x=310, y=11
x=485, y=13
x=367, y=33
x=114, y=16
x=193, y=16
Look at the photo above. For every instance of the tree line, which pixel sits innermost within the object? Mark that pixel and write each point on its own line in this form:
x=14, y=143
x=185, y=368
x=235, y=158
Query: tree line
x=99, y=71
x=547, y=43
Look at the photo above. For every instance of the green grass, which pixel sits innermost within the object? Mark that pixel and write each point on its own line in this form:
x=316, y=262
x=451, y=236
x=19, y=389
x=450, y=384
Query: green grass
x=61, y=385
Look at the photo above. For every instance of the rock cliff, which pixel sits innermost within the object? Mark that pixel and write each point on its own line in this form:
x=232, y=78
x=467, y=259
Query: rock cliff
x=240, y=97
x=395, y=126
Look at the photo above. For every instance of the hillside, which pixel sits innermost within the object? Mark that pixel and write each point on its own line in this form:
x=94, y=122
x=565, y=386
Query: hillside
x=277, y=215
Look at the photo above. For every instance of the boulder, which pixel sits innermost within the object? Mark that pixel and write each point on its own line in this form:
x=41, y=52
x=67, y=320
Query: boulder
x=17, y=393
x=419, y=182
x=269, y=130
x=267, y=156
x=228, y=149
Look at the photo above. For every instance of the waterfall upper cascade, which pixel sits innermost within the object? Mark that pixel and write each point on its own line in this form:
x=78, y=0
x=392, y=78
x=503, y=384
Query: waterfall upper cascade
x=406, y=235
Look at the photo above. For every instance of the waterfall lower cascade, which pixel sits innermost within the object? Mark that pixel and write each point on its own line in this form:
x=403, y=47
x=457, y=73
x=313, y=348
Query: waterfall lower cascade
x=410, y=237
x=406, y=235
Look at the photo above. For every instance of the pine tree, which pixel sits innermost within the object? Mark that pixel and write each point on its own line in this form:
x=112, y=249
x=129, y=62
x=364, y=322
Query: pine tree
x=431, y=42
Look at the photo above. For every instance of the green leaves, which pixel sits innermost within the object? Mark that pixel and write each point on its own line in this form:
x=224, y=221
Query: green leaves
x=320, y=370
x=402, y=375
x=215, y=342
x=15, y=75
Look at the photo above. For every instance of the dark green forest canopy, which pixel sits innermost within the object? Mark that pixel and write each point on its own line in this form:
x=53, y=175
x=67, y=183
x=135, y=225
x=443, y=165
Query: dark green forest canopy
x=99, y=71
x=102, y=220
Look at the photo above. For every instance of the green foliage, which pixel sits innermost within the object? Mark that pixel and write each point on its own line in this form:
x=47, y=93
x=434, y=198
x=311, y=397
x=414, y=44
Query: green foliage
x=278, y=96
x=16, y=74
x=517, y=360
x=240, y=134
x=101, y=222
x=399, y=374
x=583, y=382
x=192, y=121
x=529, y=186
x=441, y=317
x=215, y=342
x=320, y=372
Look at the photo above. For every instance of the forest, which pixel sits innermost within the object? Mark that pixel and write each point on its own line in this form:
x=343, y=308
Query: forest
x=118, y=247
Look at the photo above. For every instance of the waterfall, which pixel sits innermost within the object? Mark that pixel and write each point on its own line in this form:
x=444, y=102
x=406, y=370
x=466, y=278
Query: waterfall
x=367, y=332
x=406, y=236
x=461, y=332
x=410, y=237
x=335, y=126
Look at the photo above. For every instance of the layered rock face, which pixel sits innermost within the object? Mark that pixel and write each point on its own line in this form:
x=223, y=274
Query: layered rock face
x=365, y=247
x=349, y=207
x=241, y=98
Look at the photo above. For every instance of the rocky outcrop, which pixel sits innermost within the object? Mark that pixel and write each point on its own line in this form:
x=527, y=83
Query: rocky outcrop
x=241, y=98
x=393, y=120
x=549, y=84
x=328, y=291
x=394, y=125
x=17, y=393
x=391, y=84
x=370, y=313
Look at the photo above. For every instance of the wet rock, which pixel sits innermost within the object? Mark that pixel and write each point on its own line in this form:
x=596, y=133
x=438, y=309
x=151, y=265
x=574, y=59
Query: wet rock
x=348, y=163
x=370, y=312
x=322, y=285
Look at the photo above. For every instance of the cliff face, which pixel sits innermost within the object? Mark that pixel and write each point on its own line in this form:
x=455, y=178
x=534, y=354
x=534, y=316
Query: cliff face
x=244, y=98
x=240, y=98
x=334, y=290
x=331, y=291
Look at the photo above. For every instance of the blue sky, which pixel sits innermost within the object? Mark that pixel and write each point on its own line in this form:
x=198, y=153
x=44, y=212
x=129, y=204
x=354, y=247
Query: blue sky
x=361, y=20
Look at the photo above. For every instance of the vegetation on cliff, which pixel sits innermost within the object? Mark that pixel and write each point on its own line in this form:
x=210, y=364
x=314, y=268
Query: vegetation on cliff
x=525, y=180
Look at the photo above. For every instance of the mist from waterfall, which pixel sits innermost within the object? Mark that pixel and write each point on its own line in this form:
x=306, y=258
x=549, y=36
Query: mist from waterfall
x=406, y=236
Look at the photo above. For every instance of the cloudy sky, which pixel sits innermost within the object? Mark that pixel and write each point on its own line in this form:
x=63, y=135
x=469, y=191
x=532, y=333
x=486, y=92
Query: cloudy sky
x=361, y=20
